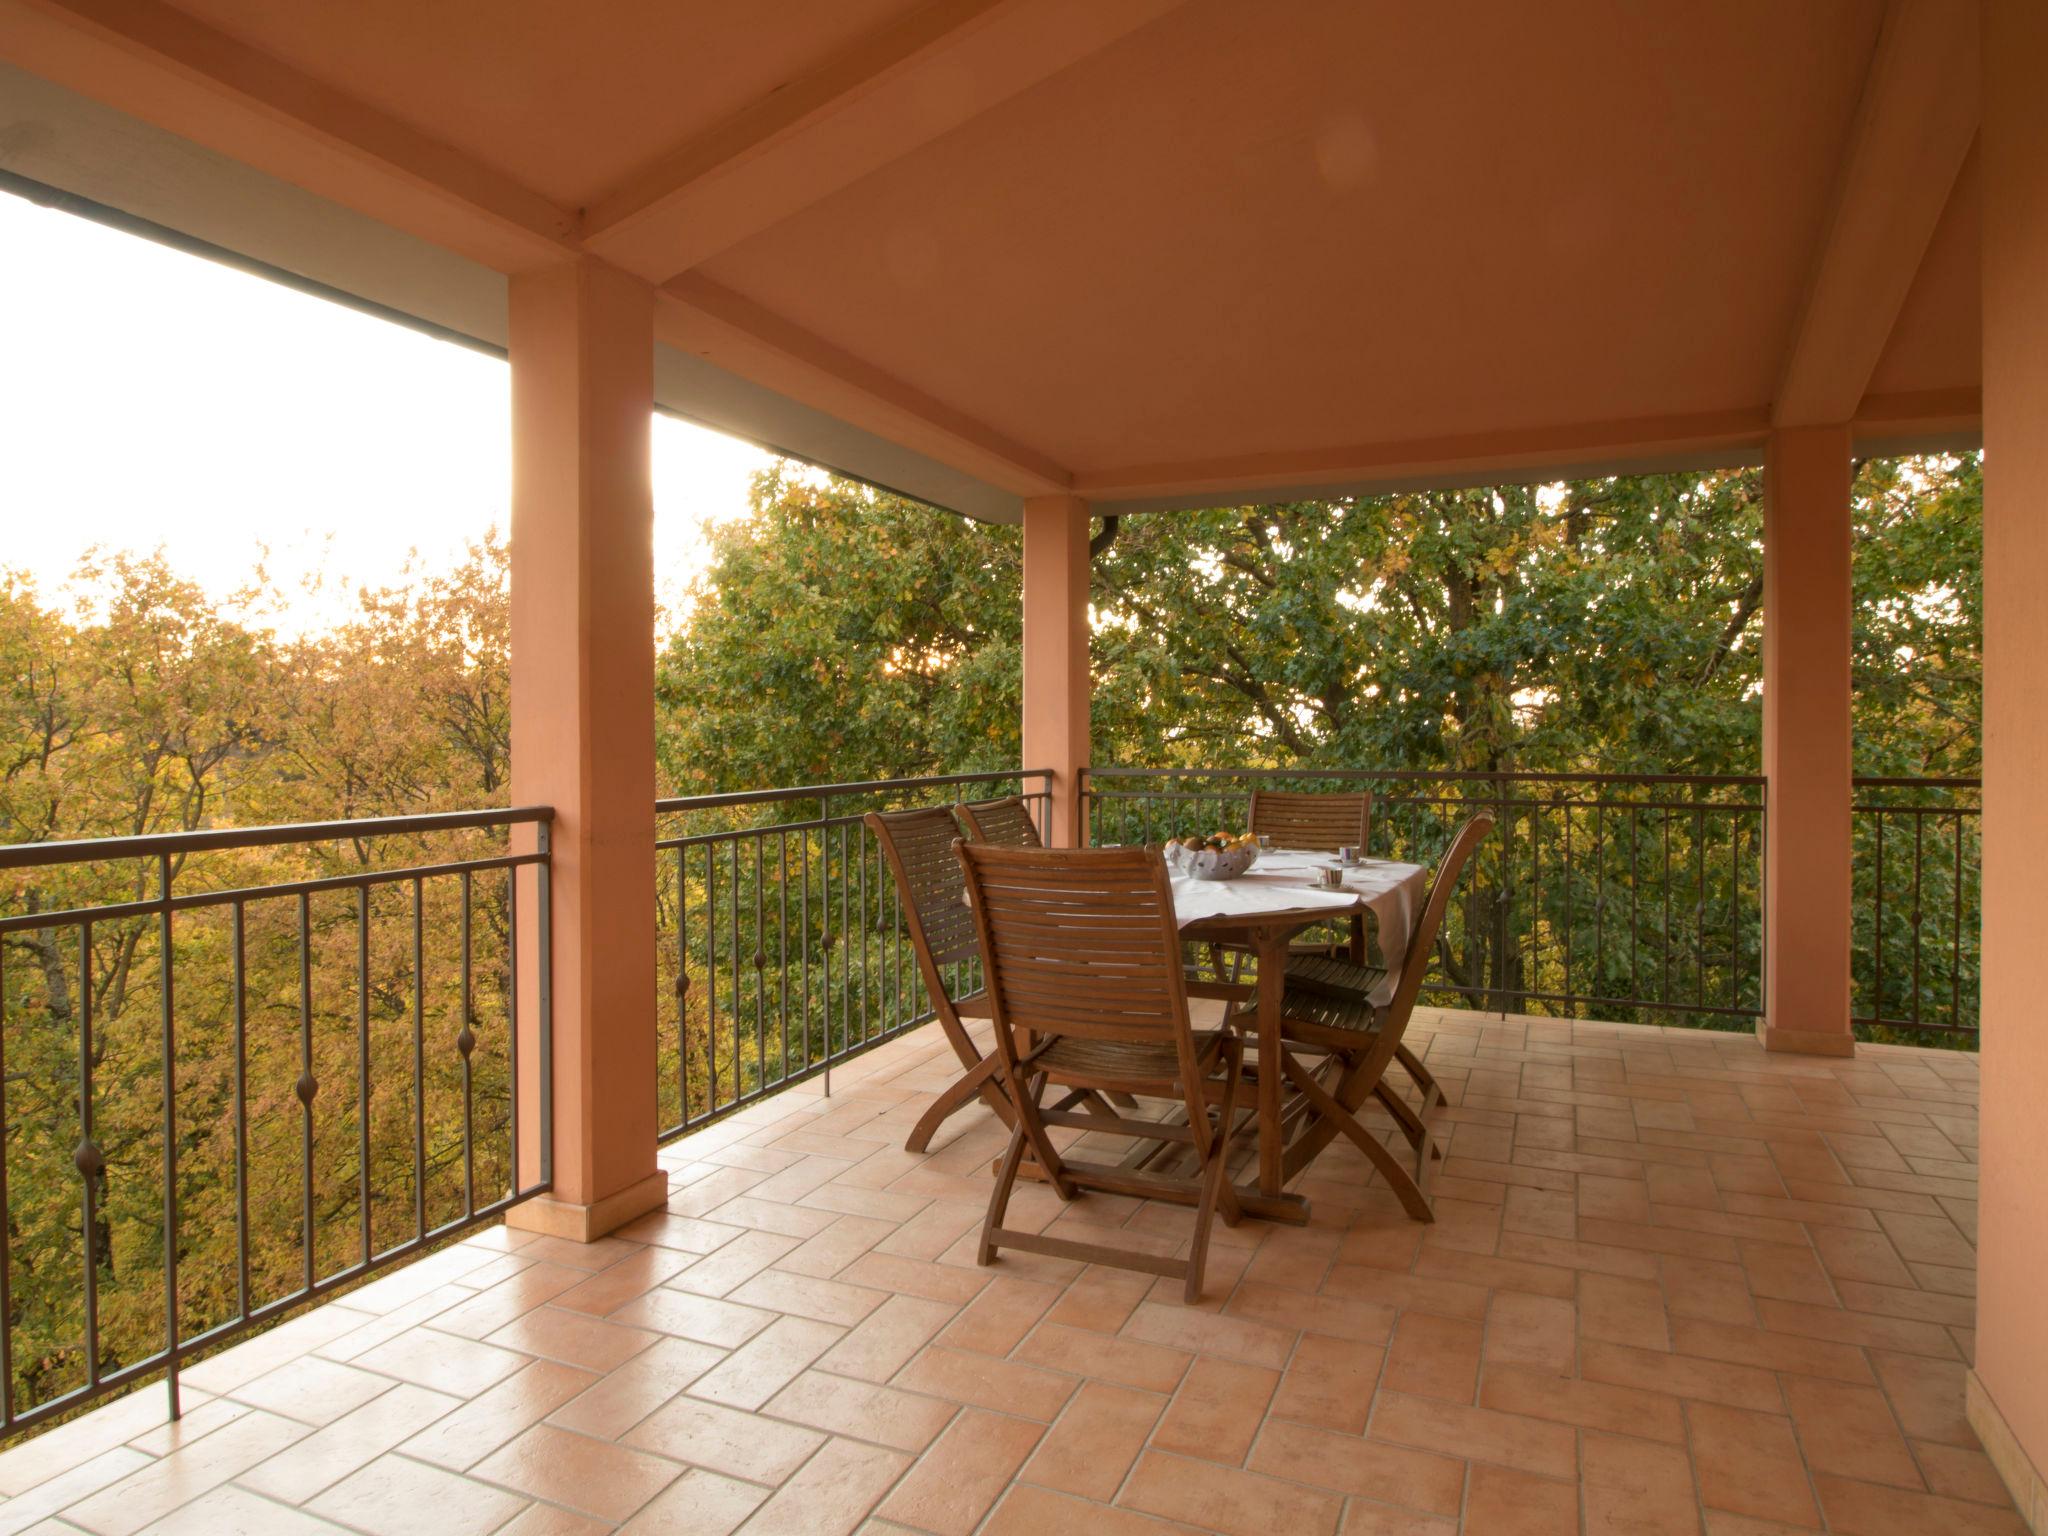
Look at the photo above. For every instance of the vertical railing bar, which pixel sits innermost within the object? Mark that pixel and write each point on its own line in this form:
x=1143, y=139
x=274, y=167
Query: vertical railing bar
x=88, y=1157
x=1699, y=924
x=465, y=1041
x=363, y=1060
x=1735, y=911
x=1664, y=992
x=1877, y=921
x=6, y=1225
x=739, y=1076
x=758, y=958
x=1635, y=881
x=238, y=942
x=1570, y=907
x=167, y=998
x=803, y=853
x=419, y=1059
x=867, y=972
x=1920, y=859
x=512, y=1016
x=682, y=987
x=1600, y=894
x=308, y=1085
x=782, y=945
x=544, y=878
x=1955, y=964
x=711, y=973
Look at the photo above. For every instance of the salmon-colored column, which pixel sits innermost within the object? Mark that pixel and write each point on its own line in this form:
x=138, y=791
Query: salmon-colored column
x=582, y=344
x=1056, y=682
x=1806, y=741
x=2008, y=1390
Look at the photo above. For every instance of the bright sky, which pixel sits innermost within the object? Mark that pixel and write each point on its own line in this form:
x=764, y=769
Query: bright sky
x=149, y=398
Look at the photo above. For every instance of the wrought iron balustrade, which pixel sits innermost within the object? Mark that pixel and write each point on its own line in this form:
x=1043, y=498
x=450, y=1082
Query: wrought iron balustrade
x=782, y=945
x=244, y=1068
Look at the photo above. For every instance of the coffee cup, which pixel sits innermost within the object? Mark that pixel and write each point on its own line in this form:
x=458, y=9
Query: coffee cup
x=1330, y=878
x=1350, y=853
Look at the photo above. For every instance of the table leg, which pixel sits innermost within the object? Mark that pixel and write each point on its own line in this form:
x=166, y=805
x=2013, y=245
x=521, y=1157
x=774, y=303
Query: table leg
x=1269, y=1198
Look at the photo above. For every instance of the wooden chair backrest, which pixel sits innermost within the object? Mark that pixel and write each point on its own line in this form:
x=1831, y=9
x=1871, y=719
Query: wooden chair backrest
x=1422, y=940
x=1320, y=822
x=919, y=848
x=1006, y=822
x=1079, y=942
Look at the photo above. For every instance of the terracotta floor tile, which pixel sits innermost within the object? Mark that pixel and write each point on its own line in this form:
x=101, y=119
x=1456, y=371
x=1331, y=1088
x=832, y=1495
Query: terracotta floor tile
x=352, y=1441
x=1749, y=1463
x=766, y=1363
x=1958, y=1473
x=1030, y=1511
x=152, y=1491
x=1537, y=1331
x=826, y=1253
x=1855, y=1255
x=1850, y=1431
x=860, y=1410
x=1862, y=1329
x=574, y=1338
x=1222, y=1499
x=705, y=1319
x=719, y=1272
x=488, y=1311
x=312, y=1390
x=996, y=1321
x=233, y=1511
x=823, y=1301
x=626, y=1395
x=1217, y=1411
x=1927, y=1396
x=602, y=1254
x=1434, y=1357
x=1618, y=1310
x=1715, y=1293
x=460, y=1439
x=1342, y=1463
x=1790, y=1272
x=633, y=1276
x=1542, y=1394
x=916, y=1277
x=1494, y=1272
x=1406, y=1292
x=1637, y=1488
x=1362, y=1518
x=726, y=1440
x=442, y=1362
x=960, y=1478
x=980, y=1381
x=1330, y=1383
x=1864, y=1509
x=1098, y=1435
x=1503, y=1502
x=1126, y=1362
x=1769, y=1351
x=881, y=1344
x=1477, y=1434
x=699, y=1503
x=390, y=1495
x=28, y=1508
x=594, y=1476
x=1712, y=1381
x=831, y=1494
x=1367, y=1322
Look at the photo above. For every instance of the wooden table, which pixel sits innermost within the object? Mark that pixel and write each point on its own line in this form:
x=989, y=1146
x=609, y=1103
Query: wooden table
x=1272, y=911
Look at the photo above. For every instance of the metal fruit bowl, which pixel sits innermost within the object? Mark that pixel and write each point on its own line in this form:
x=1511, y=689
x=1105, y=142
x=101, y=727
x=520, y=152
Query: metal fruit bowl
x=1211, y=863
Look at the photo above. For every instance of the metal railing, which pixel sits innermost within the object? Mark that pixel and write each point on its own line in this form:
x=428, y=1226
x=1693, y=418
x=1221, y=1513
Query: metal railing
x=1917, y=905
x=1628, y=897
x=782, y=945
x=177, y=1014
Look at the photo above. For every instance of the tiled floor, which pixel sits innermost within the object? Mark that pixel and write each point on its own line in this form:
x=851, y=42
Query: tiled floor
x=1676, y=1285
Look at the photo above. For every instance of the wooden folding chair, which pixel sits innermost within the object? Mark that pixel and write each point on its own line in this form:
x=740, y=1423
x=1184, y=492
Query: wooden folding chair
x=1357, y=1043
x=1006, y=823
x=1318, y=823
x=919, y=848
x=1082, y=957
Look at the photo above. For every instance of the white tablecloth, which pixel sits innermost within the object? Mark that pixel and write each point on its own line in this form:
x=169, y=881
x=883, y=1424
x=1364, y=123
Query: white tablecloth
x=1284, y=880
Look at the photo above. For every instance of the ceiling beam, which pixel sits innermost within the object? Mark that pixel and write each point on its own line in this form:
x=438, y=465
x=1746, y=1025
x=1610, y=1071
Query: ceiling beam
x=877, y=100
x=1474, y=458
x=1912, y=131
x=698, y=316
x=159, y=64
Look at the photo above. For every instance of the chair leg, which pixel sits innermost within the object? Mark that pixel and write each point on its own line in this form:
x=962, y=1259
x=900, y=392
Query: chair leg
x=981, y=1081
x=999, y=1197
x=1432, y=1095
x=1033, y=1130
x=1398, y=1178
x=1215, y=1175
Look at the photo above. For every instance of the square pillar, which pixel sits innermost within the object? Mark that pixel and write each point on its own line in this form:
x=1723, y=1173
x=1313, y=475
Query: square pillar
x=582, y=345
x=1807, y=741
x=2008, y=1389
x=1056, y=681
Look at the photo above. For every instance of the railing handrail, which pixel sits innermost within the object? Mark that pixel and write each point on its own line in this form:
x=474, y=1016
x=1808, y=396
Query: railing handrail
x=1862, y=781
x=834, y=791
x=1418, y=775
x=216, y=839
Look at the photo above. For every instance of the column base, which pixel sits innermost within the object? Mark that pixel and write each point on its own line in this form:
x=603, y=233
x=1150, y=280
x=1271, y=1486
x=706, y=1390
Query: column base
x=1805, y=1042
x=587, y=1223
x=2021, y=1477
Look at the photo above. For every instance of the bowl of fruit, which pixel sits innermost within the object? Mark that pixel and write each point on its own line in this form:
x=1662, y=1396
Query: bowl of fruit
x=1220, y=856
